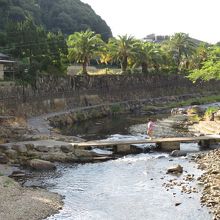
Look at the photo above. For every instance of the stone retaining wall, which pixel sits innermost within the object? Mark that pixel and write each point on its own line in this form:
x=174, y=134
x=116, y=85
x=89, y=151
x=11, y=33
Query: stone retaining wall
x=55, y=94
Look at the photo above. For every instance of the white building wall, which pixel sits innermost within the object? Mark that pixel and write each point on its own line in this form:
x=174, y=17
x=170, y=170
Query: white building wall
x=1, y=71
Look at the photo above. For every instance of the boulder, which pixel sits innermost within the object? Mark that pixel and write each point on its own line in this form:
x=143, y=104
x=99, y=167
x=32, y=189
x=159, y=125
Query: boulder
x=3, y=159
x=54, y=156
x=4, y=147
x=12, y=154
x=41, y=148
x=175, y=169
x=178, y=153
x=178, y=111
x=20, y=148
x=29, y=146
x=67, y=148
x=83, y=153
x=18, y=173
x=41, y=164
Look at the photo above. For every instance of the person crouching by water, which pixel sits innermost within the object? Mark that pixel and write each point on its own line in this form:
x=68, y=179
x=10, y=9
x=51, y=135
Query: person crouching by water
x=150, y=128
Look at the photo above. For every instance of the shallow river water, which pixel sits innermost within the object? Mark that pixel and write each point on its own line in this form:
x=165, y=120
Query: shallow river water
x=126, y=188
x=129, y=188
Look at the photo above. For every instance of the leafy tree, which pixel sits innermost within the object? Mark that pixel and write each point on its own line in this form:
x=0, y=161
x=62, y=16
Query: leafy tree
x=120, y=50
x=181, y=47
x=83, y=46
x=55, y=59
x=210, y=68
x=67, y=16
x=36, y=50
x=200, y=55
x=147, y=55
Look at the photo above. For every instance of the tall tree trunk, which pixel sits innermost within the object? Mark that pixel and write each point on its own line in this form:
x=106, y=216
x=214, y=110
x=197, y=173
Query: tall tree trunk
x=144, y=67
x=84, y=66
x=124, y=64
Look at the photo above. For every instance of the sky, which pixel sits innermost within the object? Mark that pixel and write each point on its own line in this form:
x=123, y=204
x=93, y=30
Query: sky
x=198, y=18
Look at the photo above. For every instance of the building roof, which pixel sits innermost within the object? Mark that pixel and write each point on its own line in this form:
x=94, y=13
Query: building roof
x=4, y=56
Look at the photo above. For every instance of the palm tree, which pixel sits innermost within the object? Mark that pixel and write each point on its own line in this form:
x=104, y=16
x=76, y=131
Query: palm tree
x=200, y=56
x=147, y=54
x=120, y=50
x=181, y=47
x=83, y=46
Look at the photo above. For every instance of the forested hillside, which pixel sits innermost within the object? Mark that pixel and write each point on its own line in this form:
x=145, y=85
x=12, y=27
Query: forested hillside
x=66, y=15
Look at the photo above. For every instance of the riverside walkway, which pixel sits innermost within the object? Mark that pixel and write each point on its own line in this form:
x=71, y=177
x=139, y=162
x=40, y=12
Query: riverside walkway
x=163, y=143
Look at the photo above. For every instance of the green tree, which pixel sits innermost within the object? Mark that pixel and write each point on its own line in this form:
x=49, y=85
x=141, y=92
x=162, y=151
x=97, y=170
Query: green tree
x=120, y=50
x=181, y=47
x=55, y=59
x=36, y=50
x=147, y=55
x=84, y=46
x=210, y=68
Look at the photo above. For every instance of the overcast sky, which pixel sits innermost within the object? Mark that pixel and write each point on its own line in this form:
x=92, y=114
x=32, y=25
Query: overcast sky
x=198, y=18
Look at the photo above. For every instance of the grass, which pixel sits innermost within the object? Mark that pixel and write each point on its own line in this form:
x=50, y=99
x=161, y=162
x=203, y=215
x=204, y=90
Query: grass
x=8, y=182
x=193, y=101
x=195, y=118
x=93, y=71
x=210, y=110
x=116, y=108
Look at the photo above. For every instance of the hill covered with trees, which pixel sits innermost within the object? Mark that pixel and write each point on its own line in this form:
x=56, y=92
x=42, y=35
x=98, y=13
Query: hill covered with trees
x=67, y=16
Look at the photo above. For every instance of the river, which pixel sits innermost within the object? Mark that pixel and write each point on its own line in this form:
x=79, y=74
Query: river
x=129, y=188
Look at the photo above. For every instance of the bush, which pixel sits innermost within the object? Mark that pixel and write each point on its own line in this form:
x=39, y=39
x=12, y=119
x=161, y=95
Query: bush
x=210, y=110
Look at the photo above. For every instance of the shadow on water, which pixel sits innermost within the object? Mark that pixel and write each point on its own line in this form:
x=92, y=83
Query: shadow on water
x=103, y=128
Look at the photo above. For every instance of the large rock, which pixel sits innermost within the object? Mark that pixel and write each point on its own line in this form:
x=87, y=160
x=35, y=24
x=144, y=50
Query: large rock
x=12, y=154
x=4, y=147
x=178, y=111
x=3, y=159
x=83, y=153
x=175, y=169
x=20, y=148
x=41, y=148
x=178, y=153
x=67, y=148
x=41, y=164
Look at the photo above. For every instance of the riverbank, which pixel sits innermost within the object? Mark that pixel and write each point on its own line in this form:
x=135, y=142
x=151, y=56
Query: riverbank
x=41, y=150
x=23, y=203
x=210, y=180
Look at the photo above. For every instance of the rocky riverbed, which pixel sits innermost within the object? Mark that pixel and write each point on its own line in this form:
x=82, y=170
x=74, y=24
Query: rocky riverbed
x=43, y=200
x=210, y=164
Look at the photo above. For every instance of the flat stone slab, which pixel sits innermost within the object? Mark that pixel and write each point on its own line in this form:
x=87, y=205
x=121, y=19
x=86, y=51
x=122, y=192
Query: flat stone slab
x=47, y=143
